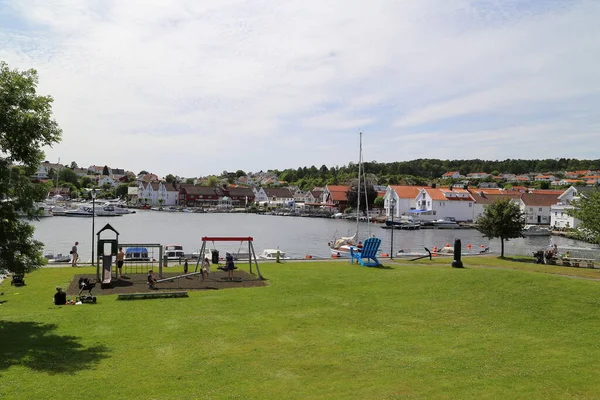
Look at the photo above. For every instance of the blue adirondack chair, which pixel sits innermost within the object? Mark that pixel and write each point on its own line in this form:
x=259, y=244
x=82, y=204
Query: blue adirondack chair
x=368, y=252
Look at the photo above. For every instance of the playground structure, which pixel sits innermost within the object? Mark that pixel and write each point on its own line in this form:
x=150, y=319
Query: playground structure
x=251, y=253
x=107, y=249
x=215, y=256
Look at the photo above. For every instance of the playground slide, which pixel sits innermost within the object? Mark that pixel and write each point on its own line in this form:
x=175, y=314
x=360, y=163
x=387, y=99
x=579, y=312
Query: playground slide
x=106, y=269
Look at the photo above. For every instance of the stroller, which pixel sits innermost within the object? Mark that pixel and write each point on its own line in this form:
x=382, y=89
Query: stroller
x=18, y=280
x=85, y=284
x=539, y=256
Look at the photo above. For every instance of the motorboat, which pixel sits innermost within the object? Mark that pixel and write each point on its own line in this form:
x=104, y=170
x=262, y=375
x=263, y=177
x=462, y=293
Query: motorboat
x=271, y=254
x=165, y=209
x=107, y=211
x=58, y=258
x=43, y=210
x=59, y=210
x=118, y=208
x=446, y=223
x=174, y=252
x=536, y=230
x=82, y=211
x=402, y=224
x=136, y=254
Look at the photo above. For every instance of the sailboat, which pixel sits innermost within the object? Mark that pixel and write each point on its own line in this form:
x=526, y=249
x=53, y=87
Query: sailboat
x=340, y=247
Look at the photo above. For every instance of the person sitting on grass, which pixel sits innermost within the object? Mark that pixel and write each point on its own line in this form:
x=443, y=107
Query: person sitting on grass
x=60, y=297
x=151, y=280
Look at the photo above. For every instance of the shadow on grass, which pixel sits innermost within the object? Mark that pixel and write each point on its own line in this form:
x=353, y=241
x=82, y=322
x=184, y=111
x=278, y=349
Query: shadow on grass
x=527, y=260
x=35, y=346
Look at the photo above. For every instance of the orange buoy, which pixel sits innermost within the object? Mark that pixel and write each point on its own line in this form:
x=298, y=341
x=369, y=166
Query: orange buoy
x=308, y=256
x=447, y=244
x=469, y=246
x=385, y=255
x=482, y=246
x=435, y=249
x=335, y=256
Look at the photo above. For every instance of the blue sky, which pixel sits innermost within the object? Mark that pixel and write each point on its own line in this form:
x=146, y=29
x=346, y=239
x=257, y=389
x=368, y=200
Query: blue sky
x=194, y=88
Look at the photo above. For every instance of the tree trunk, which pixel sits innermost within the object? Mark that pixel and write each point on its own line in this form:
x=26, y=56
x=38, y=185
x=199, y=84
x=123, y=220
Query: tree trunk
x=501, y=247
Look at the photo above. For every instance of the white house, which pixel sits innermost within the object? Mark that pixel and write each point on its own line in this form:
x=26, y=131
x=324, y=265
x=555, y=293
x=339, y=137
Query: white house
x=536, y=207
x=452, y=174
x=105, y=179
x=260, y=196
x=401, y=198
x=558, y=211
x=544, y=178
x=477, y=175
x=44, y=169
x=435, y=203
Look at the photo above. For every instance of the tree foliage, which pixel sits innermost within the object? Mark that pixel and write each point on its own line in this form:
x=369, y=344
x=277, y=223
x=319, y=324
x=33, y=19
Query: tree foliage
x=502, y=219
x=170, y=178
x=587, y=210
x=354, y=192
x=68, y=175
x=26, y=125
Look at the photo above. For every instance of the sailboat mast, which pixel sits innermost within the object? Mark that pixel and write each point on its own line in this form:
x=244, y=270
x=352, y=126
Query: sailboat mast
x=358, y=188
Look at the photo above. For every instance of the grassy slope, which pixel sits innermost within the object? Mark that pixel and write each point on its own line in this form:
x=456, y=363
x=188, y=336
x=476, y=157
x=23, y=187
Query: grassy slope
x=320, y=330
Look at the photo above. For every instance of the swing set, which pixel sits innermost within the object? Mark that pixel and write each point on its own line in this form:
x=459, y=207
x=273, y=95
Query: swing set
x=251, y=253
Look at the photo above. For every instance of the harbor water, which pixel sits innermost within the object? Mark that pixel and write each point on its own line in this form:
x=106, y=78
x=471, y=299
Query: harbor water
x=297, y=236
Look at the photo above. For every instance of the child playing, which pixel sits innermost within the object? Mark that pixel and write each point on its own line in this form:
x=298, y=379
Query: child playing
x=151, y=279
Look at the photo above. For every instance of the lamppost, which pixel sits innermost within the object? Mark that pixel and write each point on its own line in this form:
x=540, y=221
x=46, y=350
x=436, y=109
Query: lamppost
x=93, y=220
x=392, y=211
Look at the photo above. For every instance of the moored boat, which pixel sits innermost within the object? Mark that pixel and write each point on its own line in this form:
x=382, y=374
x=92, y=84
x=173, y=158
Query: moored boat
x=271, y=254
x=536, y=230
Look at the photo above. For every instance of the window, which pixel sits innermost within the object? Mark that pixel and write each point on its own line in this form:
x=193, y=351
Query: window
x=540, y=208
x=470, y=205
x=530, y=208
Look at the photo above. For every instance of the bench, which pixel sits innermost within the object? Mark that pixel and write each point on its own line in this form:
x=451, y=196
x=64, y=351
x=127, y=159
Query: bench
x=151, y=295
x=575, y=262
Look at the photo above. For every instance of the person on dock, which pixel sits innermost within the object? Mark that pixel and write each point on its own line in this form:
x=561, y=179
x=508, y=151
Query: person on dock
x=120, y=259
x=74, y=254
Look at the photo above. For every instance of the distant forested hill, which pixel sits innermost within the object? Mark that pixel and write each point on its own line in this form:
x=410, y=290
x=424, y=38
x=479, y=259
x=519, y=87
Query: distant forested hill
x=421, y=171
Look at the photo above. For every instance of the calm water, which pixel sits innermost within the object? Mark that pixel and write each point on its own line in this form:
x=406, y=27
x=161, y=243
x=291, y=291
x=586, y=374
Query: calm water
x=294, y=235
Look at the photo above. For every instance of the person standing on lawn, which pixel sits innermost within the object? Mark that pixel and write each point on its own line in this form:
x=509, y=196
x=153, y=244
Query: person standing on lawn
x=120, y=259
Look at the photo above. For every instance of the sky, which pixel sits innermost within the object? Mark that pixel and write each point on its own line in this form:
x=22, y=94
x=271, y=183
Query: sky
x=194, y=87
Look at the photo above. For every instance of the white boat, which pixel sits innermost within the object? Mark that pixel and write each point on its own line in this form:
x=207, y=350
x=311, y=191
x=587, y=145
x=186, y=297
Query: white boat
x=107, y=211
x=340, y=247
x=271, y=254
x=118, y=208
x=166, y=209
x=59, y=210
x=174, y=252
x=536, y=230
x=445, y=223
x=81, y=211
x=43, y=210
x=58, y=258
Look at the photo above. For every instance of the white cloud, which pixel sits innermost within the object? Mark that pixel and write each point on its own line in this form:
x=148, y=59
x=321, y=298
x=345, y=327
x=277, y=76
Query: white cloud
x=192, y=88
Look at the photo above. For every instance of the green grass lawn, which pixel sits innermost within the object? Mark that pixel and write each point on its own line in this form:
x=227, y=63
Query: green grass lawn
x=320, y=330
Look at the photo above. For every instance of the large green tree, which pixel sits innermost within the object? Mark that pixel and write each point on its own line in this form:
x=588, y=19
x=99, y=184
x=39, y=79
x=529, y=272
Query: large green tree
x=502, y=219
x=68, y=175
x=26, y=125
x=587, y=210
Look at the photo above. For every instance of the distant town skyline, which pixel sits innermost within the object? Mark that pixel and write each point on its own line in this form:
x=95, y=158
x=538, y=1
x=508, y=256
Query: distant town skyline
x=194, y=88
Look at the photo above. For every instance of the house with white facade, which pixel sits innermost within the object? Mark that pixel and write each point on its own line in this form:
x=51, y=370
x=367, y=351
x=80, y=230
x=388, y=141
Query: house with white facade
x=558, y=212
x=545, y=178
x=157, y=193
x=477, y=175
x=107, y=180
x=401, y=198
x=452, y=174
x=536, y=207
x=44, y=169
x=435, y=203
